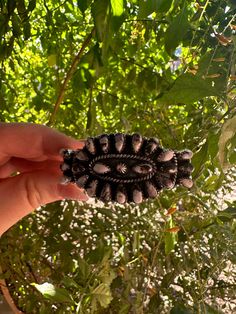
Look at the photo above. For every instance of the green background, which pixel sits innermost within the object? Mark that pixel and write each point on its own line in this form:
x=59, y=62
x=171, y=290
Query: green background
x=164, y=68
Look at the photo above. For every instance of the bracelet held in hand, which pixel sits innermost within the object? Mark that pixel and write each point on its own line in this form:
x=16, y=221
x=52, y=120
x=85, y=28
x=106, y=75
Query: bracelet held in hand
x=126, y=168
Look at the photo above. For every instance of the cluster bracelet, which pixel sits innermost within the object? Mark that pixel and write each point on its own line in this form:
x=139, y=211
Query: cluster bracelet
x=126, y=168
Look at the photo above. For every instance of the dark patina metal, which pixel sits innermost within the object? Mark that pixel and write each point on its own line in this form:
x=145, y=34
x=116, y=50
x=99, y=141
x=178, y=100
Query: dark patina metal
x=126, y=168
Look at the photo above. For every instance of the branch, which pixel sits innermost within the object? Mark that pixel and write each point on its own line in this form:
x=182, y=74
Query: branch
x=7, y=295
x=89, y=113
x=68, y=77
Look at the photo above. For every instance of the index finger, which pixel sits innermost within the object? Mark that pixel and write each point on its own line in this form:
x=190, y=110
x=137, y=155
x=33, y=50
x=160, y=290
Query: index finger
x=33, y=141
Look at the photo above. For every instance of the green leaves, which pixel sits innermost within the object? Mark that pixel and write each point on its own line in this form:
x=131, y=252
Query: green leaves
x=117, y=7
x=146, y=7
x=83, y=5
x=228, y=131
x=101, y=295
x=176, y=30
x=100, y=12
x=52, y=60
x=180, y=309
x=199, y=160
x=53, y=293
x=108, y=18
x=189, y=88
x=133, y=75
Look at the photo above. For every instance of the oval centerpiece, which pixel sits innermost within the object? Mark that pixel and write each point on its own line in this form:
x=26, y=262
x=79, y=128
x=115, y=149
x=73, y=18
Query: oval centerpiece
x=121, y=168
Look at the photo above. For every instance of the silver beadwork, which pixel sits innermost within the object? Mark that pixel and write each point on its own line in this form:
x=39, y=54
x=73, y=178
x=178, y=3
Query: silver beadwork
x=119, y=142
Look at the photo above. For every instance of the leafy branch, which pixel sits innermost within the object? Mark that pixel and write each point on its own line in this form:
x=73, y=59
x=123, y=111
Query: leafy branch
x=68, y=77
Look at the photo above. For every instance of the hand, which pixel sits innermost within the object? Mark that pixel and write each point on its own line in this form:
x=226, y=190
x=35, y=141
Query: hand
x=30, y=170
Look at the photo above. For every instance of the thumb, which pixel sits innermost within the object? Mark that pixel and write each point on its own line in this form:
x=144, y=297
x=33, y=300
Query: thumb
x=23, y=193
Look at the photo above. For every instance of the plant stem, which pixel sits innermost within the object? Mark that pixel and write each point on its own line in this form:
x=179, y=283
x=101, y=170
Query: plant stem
x=68, y=77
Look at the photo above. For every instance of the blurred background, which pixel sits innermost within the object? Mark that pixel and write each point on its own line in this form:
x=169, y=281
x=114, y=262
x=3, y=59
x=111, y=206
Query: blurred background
x=163, y=68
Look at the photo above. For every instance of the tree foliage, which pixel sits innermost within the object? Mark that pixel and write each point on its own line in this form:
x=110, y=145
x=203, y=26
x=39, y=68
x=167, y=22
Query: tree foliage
x=164, y=68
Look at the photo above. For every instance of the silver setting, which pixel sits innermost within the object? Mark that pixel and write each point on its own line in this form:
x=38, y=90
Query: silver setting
x=137, y=141
x=119, y=142
x=121, y=196
x=126, y=168
x=81, y=181
x=106, y=193
x=152, y=145
x=151, y=190
x=173, y=169
x=77, y=168
x=104, y=143
x=90, y=145
x=81, y=155
x=168, y=183
x=92, y=187
x=121, y=168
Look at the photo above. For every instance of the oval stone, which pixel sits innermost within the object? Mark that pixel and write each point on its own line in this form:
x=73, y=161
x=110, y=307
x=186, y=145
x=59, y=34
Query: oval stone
x=143, y=168
x=91, y=189
x=188, y=183
x=119, y=142
x=101, y=168
x=166, y=155
x=90, y=145
x=81, y=181
x=106, y=193
x=137, y=141
x=137, y=196
x=186, y=154
x=151, y=190
x=81, y=155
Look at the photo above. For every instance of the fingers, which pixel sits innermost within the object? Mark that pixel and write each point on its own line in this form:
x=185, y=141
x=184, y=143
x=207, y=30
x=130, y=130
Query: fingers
x=34, y=142
x=7, y=170
x=23, y=193
x=22, y=165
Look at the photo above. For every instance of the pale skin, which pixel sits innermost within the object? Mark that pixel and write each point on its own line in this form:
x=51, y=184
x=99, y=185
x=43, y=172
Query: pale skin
x=30, y=170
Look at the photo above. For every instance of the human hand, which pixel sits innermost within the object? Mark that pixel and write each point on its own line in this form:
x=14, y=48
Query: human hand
x=31, y=151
